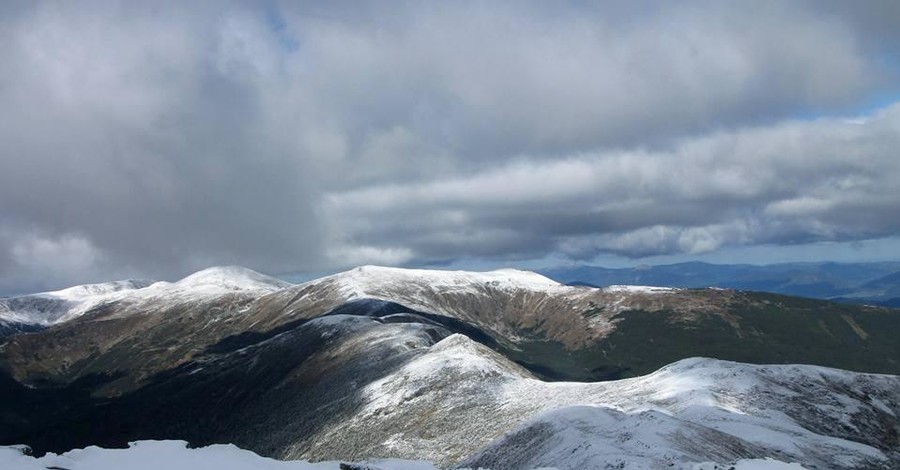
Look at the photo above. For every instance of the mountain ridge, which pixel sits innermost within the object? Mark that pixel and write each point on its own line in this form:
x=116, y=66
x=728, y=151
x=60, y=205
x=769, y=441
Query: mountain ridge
x=380, y=362
x=823, y=280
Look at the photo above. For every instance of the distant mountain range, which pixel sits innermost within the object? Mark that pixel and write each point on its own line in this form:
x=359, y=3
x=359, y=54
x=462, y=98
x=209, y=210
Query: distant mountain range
x=504, y=370
x=861, y=283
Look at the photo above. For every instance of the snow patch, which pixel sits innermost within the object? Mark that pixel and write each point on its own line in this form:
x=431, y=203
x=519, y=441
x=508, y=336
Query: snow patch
x=639, y=289
x=751, y=464
x=455, y=354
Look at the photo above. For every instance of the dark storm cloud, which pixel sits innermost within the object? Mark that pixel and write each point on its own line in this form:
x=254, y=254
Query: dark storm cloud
x=152, y=140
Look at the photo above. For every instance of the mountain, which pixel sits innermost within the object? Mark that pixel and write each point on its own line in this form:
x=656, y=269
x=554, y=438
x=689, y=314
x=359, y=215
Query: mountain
x=47, y=308
x=816, y=280
x=882, y=291
x=37, y=311
x=453, y=398
x=462, y=368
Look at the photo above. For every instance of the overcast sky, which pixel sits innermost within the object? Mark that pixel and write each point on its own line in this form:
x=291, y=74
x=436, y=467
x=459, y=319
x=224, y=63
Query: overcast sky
x=152, y=139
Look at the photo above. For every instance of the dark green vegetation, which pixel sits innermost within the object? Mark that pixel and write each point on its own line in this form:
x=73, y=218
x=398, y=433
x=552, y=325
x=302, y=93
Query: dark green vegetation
x=768, y=329
x=761, y=328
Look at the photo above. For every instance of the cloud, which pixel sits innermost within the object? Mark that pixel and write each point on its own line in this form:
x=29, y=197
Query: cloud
x=161, y=138
x=142, y=134
x=786, y=183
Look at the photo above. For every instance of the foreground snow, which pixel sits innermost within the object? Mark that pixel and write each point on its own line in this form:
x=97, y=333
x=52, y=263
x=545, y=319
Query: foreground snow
x=697, y=414
x=174, y=455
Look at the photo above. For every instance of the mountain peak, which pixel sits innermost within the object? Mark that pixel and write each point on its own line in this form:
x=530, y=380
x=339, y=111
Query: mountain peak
x=91, y=290
x=232, y=277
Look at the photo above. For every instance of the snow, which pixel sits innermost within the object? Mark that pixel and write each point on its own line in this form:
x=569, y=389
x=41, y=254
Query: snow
x=232, y=278
x=665, y=416
x=681, y=414
x=685, y=415
x=724, y=396
x=752, y=464
x=92, y=290
x=48, y=308
x=591, y=436
x=174, y=455
x=365, y=280
x=628, y=289
x=455, y=353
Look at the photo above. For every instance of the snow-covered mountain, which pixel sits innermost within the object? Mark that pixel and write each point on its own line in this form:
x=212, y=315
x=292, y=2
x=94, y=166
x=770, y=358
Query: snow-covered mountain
x=373, y=281
x=459, y=368
x=223, y=279
x=48, y=308
x=694, y=411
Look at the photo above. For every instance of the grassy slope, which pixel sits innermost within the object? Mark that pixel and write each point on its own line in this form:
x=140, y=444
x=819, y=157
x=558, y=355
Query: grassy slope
x=771, y=329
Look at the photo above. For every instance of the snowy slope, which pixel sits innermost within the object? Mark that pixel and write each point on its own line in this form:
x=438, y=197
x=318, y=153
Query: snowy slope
x=230, y=278
x=370, y=281
x=209, y=283
x=639, y=289
x=693, y=411
x=502, y=301
x=48, y=308
x=55, y=307
x=403, y=390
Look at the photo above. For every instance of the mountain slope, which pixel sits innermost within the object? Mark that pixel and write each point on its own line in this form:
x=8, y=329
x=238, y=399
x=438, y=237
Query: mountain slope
x=443, y=366
x=601, y=333
x=137, y=332
x=352, y=387
x=882, y=289
x=457, y=402
x=558, y=332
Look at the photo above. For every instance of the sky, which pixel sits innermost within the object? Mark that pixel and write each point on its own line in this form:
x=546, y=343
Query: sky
x=154, y=139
